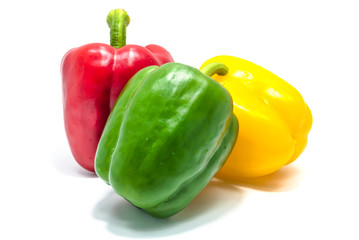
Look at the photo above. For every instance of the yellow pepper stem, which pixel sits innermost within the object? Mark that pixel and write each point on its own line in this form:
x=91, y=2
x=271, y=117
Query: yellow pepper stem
x=215, y=68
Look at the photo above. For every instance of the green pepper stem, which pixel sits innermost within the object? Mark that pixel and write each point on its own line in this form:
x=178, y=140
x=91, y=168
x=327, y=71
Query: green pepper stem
x=215, y=68
x=118, y=20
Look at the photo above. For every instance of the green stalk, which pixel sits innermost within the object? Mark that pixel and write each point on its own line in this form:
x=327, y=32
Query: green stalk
x=215, y=68
x=118, y=20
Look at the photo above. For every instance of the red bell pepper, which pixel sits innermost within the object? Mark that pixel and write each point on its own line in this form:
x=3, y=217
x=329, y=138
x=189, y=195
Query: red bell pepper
x=93, y=76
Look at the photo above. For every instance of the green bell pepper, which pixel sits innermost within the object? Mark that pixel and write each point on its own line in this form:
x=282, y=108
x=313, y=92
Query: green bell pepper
x=170, y=131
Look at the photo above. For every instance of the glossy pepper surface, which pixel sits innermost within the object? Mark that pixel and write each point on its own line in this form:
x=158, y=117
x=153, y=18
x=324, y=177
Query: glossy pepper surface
x=93, y=75
x=171, y=130
x=274, y=119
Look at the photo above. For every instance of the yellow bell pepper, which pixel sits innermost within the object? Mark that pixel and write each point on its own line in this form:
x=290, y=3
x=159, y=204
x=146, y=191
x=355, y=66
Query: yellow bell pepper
x=274, y=120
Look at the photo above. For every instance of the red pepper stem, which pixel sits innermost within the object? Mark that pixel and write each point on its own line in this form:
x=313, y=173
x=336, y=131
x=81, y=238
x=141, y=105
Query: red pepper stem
x=215, y=68
x=118, y=20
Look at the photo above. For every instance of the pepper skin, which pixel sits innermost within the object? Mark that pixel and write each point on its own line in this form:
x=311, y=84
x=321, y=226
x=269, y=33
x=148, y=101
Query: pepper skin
x=274, y=119
x=93, y=75
x=170, y=131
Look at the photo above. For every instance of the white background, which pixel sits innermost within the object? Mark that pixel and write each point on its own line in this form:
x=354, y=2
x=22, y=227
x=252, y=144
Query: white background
x=311, y=44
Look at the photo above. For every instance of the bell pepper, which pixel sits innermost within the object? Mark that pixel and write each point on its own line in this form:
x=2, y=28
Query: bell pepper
x=93, y=75
x=274, y=119
x=170, y=131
